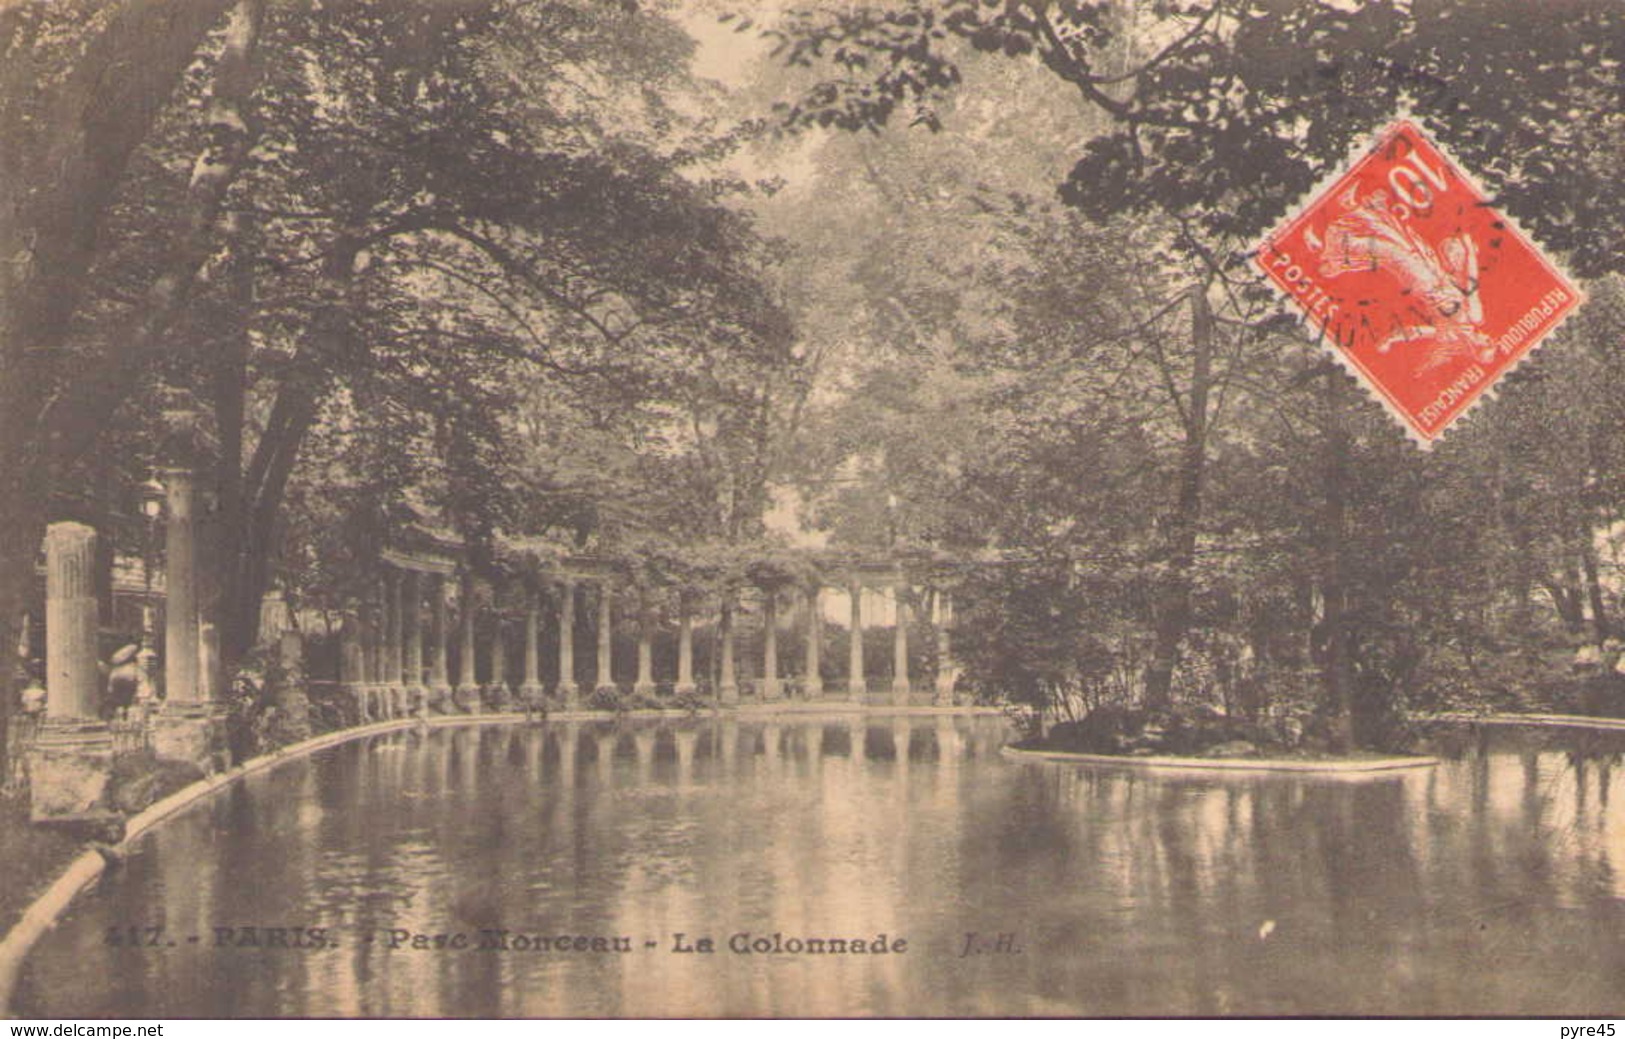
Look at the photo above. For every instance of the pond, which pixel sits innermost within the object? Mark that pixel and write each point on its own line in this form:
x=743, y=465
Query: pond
x=509, y=871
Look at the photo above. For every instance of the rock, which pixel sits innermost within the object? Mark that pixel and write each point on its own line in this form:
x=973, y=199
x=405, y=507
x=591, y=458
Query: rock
x=1231, y=749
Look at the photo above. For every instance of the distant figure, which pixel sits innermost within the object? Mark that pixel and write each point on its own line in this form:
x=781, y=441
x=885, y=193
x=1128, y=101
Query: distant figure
x=123, y=679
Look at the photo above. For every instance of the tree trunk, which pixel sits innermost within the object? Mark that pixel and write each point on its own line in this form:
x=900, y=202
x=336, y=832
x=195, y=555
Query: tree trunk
x=1600, y=627
x=1338, y=669
x=77, y=413
x=1173, y=611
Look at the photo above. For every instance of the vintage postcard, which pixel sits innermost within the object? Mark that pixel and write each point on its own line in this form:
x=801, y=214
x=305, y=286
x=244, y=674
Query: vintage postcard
x=553, y=509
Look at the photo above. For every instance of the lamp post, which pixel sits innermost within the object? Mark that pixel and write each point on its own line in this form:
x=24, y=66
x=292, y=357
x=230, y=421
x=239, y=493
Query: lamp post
x=152, y=510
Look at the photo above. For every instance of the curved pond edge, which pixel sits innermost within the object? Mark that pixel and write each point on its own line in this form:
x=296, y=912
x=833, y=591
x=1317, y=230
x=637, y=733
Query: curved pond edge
x=1364, y=768
x=1563, y=721
x=43, y=913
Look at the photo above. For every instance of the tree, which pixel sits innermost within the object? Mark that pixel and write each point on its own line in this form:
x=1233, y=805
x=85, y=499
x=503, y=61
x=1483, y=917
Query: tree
x=1240, y=104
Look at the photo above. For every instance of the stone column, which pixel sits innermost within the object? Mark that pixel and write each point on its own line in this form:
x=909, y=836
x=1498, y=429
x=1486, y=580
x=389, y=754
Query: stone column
x=402, y=683
x=468, y=687
x=813, y=684
x=727, y=681
x=180, y=593
x=899, y=682
x=946, y=668
x=605, y=678
x=531, y=687
x=645, y=684
x=856, y=684
x=393, y=670
x=567, y=690
x=499, y=661
x=366, y=654
x=771, y=689
x=72, y=681
x=372, y=649
x=412, y=635
x=685, y=646
x=350, y=677
x=440, y=644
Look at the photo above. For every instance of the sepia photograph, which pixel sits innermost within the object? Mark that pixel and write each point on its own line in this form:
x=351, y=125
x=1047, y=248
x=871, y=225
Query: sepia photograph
x=811, y=509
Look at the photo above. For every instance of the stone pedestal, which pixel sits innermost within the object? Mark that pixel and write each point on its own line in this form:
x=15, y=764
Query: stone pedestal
x=193, y=733
x=70, y=766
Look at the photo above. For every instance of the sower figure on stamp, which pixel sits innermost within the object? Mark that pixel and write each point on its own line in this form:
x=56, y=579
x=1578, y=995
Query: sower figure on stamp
x=1443, y=284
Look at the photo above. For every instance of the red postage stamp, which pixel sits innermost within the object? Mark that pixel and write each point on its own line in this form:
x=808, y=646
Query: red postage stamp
x=1428, y=293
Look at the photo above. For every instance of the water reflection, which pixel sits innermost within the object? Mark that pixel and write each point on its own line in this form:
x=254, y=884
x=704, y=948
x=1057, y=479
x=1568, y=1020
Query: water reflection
x=1487, y=885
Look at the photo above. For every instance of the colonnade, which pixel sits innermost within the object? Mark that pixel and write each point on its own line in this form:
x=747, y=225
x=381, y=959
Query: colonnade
x=393, y=671
x=396, y=647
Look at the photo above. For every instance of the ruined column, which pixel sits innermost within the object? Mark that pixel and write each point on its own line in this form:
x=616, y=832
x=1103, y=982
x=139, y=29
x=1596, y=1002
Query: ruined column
x=813, y=684
x=685, y=646
x=70, y=760
x=531, y=687
x=727, y=681
x=856, y=684
x=439, y=644
x=180, y=592
x=605, y=678
x=567, y=690
x=947, y=670
x=899, y=682
x=72, y=681
x=645, y=684
x=468, y=686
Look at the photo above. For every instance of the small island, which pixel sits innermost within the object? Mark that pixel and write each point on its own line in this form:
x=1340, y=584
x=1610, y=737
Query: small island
x=1199, y=737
